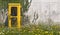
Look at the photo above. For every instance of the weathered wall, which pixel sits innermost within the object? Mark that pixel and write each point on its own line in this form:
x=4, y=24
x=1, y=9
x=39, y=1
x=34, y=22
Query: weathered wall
x=45, y=9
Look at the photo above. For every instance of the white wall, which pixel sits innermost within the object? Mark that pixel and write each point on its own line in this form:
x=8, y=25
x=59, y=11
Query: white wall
x=44, y=8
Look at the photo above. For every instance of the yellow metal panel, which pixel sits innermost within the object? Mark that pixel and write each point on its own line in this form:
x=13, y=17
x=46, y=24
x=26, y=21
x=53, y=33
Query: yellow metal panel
x=19, y=18
x=9, y=20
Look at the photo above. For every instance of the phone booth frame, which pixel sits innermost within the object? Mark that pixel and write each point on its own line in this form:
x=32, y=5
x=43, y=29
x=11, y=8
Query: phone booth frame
x=10, y=5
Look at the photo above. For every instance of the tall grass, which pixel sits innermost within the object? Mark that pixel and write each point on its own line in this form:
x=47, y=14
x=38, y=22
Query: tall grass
x=32, y=30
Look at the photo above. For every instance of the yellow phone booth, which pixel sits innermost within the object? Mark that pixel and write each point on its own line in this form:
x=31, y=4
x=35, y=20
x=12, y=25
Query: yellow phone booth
x=14, y=15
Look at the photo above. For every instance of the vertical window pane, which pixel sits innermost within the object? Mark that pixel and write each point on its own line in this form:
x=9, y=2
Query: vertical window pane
x=14, y=22
x=14, y=11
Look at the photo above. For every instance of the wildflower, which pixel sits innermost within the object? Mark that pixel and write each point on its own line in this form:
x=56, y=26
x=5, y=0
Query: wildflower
x=7, y=31
x=32, y=31
x=3, y=30
x=39, y=34
x=46, y=31
x=24, y=30
x=29, y=31
x=36, y=34
x=59, y=32
x=0, y=32
x=37, y=29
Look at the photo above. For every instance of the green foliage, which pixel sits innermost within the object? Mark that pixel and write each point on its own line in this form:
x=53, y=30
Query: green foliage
x=4, y=3
x=31, y=30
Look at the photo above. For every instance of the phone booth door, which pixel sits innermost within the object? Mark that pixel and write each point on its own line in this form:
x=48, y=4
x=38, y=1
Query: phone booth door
x=14, y=15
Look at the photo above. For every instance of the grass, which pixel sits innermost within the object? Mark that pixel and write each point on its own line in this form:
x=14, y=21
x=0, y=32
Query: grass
x=32, y=30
